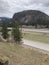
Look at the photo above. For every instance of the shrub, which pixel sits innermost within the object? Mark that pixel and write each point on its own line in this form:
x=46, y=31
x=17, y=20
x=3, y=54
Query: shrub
x=16, y=32
x=4, y=30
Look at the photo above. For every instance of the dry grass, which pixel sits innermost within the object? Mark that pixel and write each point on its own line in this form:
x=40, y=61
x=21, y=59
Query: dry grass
x=19, y=55
x=35, y=36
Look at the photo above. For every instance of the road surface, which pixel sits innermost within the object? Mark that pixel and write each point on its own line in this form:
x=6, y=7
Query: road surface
x=35, y=30
x=38, y=45
x=32, y=30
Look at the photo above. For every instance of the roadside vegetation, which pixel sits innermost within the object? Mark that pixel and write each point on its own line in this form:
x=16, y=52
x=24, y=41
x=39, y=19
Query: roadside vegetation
x=35, y=36
x=22, y=55
x=15, y=34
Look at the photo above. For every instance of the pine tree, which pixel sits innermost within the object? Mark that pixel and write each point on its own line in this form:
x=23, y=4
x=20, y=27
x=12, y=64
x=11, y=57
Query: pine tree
x=4, y=30
x=16, y=32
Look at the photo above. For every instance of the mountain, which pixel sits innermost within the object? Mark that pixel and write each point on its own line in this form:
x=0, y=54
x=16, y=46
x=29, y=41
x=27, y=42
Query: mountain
x=2, y=19
x=31, y=17
x=5, y=19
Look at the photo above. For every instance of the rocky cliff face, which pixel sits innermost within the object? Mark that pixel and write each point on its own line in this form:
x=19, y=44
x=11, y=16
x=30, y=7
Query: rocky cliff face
x=30, y=16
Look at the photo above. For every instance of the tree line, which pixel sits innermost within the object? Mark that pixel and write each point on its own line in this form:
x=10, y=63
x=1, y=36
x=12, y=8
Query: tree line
x=16, y=34
x=40, y=22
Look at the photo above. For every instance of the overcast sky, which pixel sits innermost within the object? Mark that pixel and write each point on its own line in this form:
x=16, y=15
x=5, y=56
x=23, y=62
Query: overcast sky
x=9, y=7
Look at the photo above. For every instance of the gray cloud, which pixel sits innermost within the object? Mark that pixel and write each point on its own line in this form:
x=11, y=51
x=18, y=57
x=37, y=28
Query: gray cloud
x=46, y=4
x=3, y=6
x=9, y=7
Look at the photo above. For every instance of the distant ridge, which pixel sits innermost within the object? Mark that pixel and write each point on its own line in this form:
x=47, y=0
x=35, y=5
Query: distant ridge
x=5, y=19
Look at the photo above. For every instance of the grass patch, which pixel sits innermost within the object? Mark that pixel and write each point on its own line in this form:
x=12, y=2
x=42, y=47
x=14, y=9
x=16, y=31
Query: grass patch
x=35, y=36
x=19, y=55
